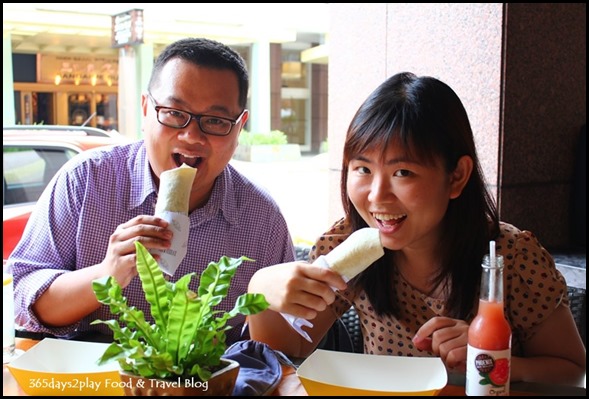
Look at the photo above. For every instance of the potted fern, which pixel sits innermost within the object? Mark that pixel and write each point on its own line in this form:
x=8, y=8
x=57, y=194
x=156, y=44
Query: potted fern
x=183, y=348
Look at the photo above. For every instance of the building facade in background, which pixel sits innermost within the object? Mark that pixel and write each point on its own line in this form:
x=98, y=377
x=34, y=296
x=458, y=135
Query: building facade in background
x=61, y=77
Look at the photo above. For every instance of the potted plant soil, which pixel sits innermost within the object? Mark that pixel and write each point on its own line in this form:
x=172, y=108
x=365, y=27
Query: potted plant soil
x=181, y=352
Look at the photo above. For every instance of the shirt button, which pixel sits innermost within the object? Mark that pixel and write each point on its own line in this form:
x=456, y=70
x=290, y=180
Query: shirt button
x=166, y=277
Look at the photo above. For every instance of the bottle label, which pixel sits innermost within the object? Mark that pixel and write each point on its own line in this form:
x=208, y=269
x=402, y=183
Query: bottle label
x=487, y=372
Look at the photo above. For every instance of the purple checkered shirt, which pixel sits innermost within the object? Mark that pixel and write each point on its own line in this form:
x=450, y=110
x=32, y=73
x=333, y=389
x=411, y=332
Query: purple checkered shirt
x=100, y=189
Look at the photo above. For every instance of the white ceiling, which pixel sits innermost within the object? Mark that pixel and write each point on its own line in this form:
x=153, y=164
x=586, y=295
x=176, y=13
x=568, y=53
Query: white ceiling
x=86, y=27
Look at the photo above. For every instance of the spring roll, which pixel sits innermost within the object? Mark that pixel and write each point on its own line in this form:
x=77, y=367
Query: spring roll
x=173, y=205
x=356, y=253
x=175, y=187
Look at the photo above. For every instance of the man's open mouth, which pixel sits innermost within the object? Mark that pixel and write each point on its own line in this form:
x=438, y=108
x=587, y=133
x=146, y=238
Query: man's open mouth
x=179, y=159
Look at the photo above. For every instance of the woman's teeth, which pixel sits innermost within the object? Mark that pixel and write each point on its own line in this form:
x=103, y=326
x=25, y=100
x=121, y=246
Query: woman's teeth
x=389, y=219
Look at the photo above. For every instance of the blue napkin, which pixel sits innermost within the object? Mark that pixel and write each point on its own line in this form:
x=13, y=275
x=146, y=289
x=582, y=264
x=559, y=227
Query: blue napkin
x=260, y=368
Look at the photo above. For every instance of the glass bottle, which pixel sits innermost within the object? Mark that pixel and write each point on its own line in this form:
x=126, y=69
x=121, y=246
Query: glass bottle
x=488, y=361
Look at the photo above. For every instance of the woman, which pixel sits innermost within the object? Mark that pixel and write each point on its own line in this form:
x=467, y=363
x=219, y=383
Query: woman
x=411, y=170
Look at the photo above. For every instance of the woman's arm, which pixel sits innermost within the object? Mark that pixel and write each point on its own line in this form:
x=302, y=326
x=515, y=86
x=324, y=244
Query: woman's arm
x=301, y=290
x=271, y=328
x=555, y=354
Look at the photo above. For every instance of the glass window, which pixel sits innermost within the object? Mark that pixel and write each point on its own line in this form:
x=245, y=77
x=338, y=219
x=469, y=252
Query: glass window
x=34, y=108
x=295, y=112
x=106, y=111
x=294, y=117
x=28, y=170
x=79, y=108
x=294, y=72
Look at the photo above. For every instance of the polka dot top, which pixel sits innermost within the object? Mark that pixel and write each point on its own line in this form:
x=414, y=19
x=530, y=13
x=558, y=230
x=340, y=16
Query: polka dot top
x=533, y=288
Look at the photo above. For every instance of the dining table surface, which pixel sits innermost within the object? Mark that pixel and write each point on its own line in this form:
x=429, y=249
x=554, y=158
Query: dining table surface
x=290, y=384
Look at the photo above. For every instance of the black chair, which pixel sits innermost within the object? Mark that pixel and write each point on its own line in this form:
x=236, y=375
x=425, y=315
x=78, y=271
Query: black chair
x=344, y=335
x=302, y=253
x=577, y=303
x=352, y=322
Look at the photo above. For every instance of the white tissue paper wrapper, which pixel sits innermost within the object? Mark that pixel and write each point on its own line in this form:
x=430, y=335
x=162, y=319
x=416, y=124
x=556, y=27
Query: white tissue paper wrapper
x=171, y=258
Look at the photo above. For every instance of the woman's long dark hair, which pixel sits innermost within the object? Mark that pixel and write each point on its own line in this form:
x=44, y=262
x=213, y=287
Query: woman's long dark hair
x=426, y=117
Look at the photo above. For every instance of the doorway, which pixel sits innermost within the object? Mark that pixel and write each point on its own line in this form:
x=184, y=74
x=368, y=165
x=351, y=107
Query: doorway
x=35, y=108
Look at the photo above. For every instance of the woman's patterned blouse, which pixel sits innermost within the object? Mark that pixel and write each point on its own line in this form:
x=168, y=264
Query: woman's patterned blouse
x=533, y=288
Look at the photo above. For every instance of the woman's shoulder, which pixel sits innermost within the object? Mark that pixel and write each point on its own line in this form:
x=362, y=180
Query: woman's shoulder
x=336, y=234
x=529, y=266
x=508, y=231
x=522, y=245
x=533, y=285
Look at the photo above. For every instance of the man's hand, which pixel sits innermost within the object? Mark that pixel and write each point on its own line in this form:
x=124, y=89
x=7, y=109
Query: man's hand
x=120, y=258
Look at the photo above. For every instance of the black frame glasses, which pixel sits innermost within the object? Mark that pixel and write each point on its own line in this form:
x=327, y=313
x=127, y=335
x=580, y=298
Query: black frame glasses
x=209, y=124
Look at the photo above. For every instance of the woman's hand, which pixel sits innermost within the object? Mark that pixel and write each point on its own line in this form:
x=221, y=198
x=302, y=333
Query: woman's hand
x=297, y=288
x=445, y=337
x=120, y=260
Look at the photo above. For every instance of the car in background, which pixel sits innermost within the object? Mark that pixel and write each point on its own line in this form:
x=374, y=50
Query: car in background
x=58, y=129
x=32, y=155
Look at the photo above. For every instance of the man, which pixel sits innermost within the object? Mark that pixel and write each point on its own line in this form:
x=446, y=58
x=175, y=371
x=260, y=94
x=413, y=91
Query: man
x=87, y=221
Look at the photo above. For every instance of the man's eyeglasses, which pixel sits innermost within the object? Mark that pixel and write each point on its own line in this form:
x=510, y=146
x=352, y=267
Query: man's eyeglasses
x=209, y=124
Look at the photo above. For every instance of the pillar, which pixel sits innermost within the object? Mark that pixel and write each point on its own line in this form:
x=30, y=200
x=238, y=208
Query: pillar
x=135, y=66
x=260, y=104
x=518, y=68
x=8, y=110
